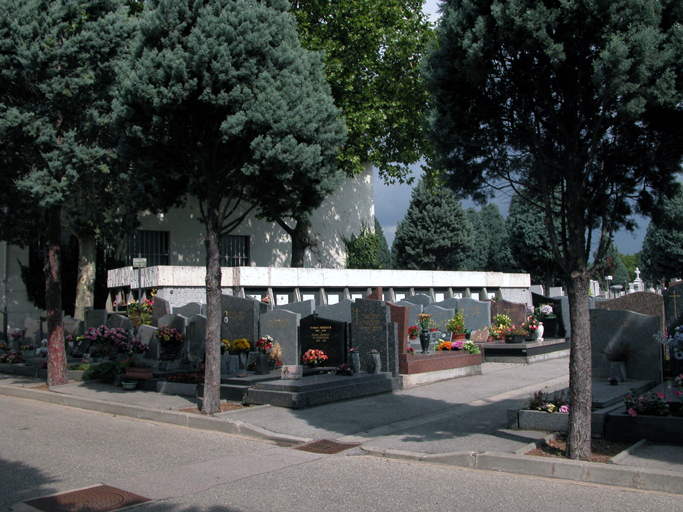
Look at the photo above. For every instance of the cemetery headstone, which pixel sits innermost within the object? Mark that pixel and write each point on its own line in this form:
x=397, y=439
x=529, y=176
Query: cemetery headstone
x=673, y=307
x=303, y=308
x=645, y=303
x=196, y=336
x=561, y=308
x=95, y=318
x=515, y=310
x=146, y=335
x=451, y=303
x=439, y=316
x=400, y=316
x=72, y=326
x=376, y=294
x=341, y=312
x=629, y=334
x=477, y=313
x=242, y=318
x=119, y=321
x=420, y=298
x=160, y=308
x=189, y=310
x=179, y=323
x=414, y=310
x=283, y=327
x=323, y=334
x=371, y=321
x=480, y=335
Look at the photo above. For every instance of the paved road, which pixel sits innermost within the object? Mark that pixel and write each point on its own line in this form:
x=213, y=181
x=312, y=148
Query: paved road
x=46, y=448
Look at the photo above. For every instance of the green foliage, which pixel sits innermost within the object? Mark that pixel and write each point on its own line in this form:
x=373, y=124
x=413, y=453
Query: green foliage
x=456, y=324
x=662, y=252
x=383, y=253
x=435, y=233
x=477, y=255
x=104, y=372
x=362, y=251
x=611, y=264
x=631, y=262
x=528, y=241
x=372, y=49
x=499, y=255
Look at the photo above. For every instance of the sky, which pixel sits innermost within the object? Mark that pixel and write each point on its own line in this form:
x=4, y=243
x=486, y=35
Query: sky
x=392, y=201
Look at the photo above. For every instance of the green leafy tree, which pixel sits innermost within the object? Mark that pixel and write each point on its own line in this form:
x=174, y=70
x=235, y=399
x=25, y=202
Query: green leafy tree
x=371, y=49
x=611, y=265
x=499, y=256
x=383, y=252
x=362, y=251
x=435, y=233
x=631, y=262
x=218, y=98
x=662, y=252
x=57, y=60
x=529, y=244
x=477, y=255
x=579, y=103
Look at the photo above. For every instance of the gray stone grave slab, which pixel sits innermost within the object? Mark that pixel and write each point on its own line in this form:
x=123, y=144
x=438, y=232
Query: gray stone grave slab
x=95, y=318
x=515, y=310
x=392, y=349
x=72, y=326
x=370, y=324
x=399, y=315
x=324, y=334
x=611, y=328
x=160, y=308
x=304, y=308
x=341, y=312
x=232, y=365
x=439, y=316
x=415, y=309
x=645, y=303
x=146, y=335
x=420, y=298
x=196, y=336
x=179, y=323
x=119, y=321
x=32, y=332
x=673, y=306
x=242, y=315
x=283, y=326
x=451, y=303
x=477, y=313
x=190, y=309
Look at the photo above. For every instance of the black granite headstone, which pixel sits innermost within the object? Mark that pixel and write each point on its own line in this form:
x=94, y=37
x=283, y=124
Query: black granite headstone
x=242, y=318
x=326, y=335
x=673, y=307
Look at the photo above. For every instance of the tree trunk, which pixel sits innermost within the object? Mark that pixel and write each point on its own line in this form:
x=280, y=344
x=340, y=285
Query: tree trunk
x=212, y=375
x=580, y=368
x=85, y=287
x=300, y=242
x=56, y=353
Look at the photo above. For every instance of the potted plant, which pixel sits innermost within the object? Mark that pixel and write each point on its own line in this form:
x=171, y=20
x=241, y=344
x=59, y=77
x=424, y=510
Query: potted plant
x=140, y=313
x=97, y=353
x=170, y=341
x=413, y=331
x=264, y=344
x=498, y=329
x=275, y=356
x=240, y=347
x=28, y=350
x=515, y=334
x=532, y=326
x=456, y=325
x=411, y=350
x=423, y=321
x=314, y=357
x=137, y=369
x=545, y=314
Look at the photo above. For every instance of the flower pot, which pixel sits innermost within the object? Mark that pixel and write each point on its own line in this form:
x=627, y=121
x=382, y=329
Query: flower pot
x=129, y=385
x=514, y=338
x=28, y=353
x=433, y=329
x=375, y=364
x=243, y=359
x=424, y=341
x=138, y=373
x=456, y=337
x=413, y=336
x=262, y=365
x=355, y=361
x=539, y=331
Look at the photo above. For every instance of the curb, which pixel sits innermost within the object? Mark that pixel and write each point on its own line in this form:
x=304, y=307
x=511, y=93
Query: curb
x=578, y=471
x=189, y=420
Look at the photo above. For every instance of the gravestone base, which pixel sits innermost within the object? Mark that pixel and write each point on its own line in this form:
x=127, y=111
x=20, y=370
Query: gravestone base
x=320, y=389
x=524, y=353
x=234, y=388
x=439, y=361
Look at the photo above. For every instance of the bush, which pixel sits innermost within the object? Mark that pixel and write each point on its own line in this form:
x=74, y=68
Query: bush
x=105, y=372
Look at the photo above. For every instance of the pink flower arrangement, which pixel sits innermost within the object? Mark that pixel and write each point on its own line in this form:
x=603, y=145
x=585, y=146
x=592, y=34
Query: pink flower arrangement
x=314, y=356
x=265, y=343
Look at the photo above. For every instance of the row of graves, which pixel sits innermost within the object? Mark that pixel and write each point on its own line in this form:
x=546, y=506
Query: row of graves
x=637, y=352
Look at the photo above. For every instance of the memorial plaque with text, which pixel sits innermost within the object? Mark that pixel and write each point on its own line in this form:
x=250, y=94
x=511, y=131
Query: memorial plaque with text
x=326, y=335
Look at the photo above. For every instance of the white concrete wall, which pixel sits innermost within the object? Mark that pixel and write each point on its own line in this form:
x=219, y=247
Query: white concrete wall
x=12, y=289
x=270, y=246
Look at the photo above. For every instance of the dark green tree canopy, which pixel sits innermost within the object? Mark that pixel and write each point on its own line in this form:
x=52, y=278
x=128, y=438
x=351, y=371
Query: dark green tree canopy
x=435, y=233
x=611, y=265
x=477, y=256
x=499, y=257
x=362, y=251
x=383, y=253
x=662, y=253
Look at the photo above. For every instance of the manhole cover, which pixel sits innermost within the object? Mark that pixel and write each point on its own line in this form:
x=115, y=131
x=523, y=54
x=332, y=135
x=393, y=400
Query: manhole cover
x=326, y=446
x=95, y=499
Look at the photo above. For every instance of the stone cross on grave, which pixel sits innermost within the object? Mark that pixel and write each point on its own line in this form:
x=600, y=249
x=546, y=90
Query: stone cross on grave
x=637, y=274
x=675, y=297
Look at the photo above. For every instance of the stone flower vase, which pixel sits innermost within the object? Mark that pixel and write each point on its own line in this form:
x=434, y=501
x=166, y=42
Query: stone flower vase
x=375, y=364
x=262, y=365
x=424, y=340
x=355, y=361
x=539, y=331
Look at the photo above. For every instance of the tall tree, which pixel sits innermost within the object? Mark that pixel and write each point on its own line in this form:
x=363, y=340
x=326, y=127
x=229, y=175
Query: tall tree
x=435, y=233
x=372, y=49
x=579, y=102
x=218, y=97
x=57, y=60
x=631, y=262
x=662, y=253
x=611, y=265
x=362, y=251
x=499, y=256
x=529, y=244
x=477, y=257
x=383, y=253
